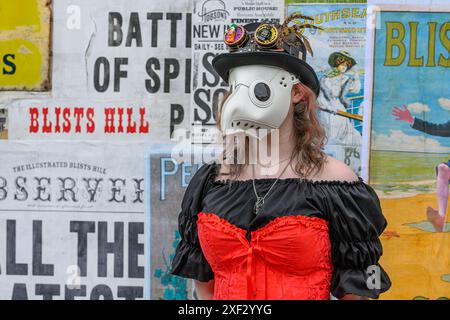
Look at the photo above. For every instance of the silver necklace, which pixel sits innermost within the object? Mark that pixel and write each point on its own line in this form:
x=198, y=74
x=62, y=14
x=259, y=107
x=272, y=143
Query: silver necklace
x=276, y=164
x=260, y=200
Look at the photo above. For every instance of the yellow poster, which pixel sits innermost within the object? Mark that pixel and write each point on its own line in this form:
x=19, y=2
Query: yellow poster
x=409, y=154
x=25, y=44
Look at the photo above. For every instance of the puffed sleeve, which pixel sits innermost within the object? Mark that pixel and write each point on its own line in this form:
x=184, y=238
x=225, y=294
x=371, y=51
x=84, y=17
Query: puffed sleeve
x=356, y=223
x=189, y=261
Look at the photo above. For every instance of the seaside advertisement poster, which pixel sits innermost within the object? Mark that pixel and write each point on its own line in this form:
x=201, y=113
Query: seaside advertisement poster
x=338, y=58
x=407, y=127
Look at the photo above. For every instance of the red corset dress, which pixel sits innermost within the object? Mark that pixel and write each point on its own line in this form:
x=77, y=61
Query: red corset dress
x=310, y=240
x=265, y=267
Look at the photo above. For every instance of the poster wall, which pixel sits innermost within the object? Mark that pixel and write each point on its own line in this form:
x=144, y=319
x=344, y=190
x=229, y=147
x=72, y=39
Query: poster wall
x=71, y=220
x=406, y=130
x=338, y=59
x=169, y=169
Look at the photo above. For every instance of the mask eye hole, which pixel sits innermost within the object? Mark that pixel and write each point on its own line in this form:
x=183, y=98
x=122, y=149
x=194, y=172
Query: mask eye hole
x=262, y=91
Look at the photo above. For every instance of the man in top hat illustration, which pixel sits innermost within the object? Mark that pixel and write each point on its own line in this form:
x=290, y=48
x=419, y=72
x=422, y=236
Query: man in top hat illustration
x=436, y=217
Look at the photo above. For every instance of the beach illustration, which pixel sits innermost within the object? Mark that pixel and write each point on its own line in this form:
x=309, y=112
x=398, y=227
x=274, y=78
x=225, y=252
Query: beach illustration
x=410, y=150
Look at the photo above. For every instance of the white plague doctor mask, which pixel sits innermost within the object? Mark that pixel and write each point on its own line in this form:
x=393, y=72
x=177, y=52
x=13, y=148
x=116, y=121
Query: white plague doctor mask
x=260, y=99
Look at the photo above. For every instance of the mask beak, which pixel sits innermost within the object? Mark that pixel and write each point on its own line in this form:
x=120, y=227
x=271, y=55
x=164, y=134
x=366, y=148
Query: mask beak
x=258, y=134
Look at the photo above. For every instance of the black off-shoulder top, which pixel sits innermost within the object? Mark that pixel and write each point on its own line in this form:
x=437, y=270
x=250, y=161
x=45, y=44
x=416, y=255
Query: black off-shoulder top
x=352, y=210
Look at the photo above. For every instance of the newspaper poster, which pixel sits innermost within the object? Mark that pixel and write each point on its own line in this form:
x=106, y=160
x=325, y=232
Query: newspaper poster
x=339, y=63
x=407, y=130
x=71, y=220
x=210, y=20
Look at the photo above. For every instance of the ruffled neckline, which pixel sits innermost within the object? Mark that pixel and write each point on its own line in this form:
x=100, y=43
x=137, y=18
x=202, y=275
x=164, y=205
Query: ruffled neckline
x=360, y=181
x=222, y=182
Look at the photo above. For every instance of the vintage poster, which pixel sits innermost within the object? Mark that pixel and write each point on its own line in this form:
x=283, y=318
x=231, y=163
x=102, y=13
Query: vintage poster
x=72, y=221
x=114, y=54
x=407, y=125
x=25, y=45
x=169, y=168
x=338, y=60
x=210, y=19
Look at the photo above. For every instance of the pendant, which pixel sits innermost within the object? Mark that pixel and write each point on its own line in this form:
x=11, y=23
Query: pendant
x=258, y=205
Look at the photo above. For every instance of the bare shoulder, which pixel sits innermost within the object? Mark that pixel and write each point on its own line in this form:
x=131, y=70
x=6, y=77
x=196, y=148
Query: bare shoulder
x=335, y=169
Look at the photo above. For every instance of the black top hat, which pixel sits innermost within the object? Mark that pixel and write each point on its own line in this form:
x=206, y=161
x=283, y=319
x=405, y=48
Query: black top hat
x=269, y=44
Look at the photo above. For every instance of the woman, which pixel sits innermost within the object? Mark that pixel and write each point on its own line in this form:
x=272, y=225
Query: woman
x=302, y=228
x=334, y=88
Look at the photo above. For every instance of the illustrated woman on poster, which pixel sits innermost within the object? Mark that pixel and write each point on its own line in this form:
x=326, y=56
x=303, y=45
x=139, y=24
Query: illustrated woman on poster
x=334, y=88
x=436, y=217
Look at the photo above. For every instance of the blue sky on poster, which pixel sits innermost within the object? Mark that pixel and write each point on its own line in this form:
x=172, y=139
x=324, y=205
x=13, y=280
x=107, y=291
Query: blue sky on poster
x=424, y=90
